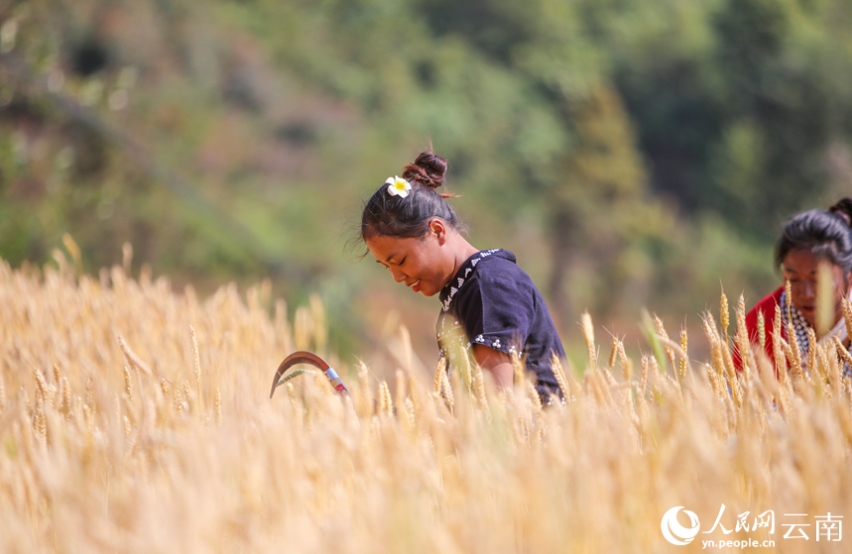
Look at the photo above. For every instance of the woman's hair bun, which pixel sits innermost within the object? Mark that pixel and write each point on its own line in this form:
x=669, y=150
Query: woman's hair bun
x=843, y=209
x=428, y=170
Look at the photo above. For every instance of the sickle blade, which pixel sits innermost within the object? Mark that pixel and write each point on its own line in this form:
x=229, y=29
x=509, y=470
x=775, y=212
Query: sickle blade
x=296, y=358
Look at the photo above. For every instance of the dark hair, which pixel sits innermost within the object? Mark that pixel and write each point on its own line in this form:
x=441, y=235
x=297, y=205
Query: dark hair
x=827, y=234
x=394, y=216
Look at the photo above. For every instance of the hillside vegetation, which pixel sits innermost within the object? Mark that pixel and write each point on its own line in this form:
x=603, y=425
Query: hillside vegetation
x=632, y=153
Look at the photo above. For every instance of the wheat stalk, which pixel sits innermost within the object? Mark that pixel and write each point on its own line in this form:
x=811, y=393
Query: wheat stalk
x=724, y=316
x=684, y=359
x=589, y=337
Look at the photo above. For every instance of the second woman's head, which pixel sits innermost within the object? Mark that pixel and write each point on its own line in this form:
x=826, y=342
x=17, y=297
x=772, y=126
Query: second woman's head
x=410, y=227
x=812, y=238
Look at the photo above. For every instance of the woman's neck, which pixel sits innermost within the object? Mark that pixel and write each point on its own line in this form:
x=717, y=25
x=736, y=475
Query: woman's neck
x=461, y=250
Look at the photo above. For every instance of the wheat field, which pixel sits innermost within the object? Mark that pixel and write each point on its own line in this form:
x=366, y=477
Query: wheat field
x=135, y=419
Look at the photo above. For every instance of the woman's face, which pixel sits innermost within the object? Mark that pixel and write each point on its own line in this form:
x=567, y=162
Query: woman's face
x=422, y=263
x=801, y=268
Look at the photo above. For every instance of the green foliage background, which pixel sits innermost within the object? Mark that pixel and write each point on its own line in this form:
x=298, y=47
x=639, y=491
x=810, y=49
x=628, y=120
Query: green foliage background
x=631, y=153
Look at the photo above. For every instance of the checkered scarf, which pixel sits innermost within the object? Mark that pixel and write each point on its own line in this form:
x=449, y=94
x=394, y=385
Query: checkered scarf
x=791, y=314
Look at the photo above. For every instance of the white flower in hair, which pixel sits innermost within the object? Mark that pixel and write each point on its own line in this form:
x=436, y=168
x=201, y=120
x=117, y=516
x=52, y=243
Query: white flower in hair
x=398, y=186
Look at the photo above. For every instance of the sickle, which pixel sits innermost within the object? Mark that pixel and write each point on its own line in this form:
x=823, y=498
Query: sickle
x=309, y=358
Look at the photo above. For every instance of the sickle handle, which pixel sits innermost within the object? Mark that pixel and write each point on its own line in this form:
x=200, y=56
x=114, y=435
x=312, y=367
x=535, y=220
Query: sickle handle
x=308, y=358
x=336, y=382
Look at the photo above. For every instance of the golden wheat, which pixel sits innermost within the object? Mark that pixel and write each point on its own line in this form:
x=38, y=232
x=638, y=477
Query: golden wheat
x=135, y=419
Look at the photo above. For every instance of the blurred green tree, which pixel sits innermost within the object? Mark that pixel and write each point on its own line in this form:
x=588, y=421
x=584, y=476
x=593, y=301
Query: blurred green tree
x=631, y=152
x=603, y=172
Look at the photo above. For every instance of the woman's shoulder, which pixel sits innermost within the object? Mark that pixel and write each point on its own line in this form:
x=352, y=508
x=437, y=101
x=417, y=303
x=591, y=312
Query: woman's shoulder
x=767, y=305
x=499, y=277
x=488, y=276
x=496, y=264
x=500, y=272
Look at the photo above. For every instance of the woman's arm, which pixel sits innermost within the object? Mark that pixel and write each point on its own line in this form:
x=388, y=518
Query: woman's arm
x=497, y=363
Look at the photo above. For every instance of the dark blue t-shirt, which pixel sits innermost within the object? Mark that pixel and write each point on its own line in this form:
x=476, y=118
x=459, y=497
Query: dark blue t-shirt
x=492, y=301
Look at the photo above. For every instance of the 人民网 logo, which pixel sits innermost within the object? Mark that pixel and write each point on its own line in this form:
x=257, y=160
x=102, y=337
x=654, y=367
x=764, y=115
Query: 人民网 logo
x=676, y=533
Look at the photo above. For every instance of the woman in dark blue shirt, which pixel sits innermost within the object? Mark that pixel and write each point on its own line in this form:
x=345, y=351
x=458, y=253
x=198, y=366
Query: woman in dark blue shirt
x=489, y=305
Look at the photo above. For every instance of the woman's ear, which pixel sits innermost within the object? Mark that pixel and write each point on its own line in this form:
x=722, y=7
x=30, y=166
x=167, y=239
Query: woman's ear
x=438, y=228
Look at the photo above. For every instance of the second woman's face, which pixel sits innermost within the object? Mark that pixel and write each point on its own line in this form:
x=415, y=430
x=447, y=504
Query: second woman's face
x=801, y=268
x=420, y=263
